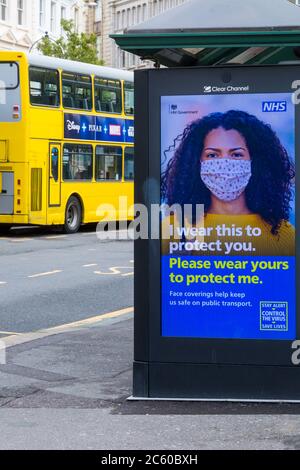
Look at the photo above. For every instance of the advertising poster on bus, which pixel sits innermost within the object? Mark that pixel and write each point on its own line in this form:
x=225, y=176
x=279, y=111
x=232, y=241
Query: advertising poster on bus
x=228, y=243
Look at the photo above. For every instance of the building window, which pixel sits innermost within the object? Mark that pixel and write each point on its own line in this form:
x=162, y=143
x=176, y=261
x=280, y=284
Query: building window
x=144, y=11
x=128, y=18
x=122, y=59
x=21, y=12
x=42, y=12
x=139, y=9
x=53, y=17
x=3, y=10
x=118, y=20
x=62, y=17
x=76, y=19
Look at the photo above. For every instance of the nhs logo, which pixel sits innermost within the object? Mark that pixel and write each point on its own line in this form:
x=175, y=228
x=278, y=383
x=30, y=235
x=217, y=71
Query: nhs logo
x=274, y=106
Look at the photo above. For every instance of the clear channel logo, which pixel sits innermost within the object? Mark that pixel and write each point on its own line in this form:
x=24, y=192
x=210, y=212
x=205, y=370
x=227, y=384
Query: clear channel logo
x=225, y=89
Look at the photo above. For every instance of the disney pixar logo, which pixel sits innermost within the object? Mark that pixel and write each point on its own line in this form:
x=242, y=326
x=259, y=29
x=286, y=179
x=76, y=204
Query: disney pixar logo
x=72, y=126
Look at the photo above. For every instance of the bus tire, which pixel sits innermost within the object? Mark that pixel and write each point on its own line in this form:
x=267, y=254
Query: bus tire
x=4, y=229
x=73, y=215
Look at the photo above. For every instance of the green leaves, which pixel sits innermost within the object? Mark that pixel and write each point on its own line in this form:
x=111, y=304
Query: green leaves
x=72, y=45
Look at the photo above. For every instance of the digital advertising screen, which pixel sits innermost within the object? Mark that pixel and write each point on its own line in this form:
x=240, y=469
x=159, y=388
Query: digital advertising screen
x=228, y=223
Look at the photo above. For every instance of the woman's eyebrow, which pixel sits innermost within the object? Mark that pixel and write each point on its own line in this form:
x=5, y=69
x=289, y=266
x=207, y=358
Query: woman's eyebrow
x=230, y=150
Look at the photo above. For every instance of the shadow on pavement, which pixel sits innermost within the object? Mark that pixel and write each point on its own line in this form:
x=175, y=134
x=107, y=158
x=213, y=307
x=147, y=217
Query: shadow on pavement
x=206, y=408
x=91, y=368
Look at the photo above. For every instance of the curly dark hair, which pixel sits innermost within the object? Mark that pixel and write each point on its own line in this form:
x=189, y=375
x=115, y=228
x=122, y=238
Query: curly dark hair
x=269, y=191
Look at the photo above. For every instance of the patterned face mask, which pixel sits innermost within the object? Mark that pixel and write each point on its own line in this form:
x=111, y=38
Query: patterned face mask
x=226, y=178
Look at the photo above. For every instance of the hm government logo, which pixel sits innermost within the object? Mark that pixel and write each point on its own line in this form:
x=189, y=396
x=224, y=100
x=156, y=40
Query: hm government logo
x=173, y=109
x=225, y=89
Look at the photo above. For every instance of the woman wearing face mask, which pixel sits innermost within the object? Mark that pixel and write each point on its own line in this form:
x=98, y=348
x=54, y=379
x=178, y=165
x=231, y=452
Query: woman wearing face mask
x=235, y=165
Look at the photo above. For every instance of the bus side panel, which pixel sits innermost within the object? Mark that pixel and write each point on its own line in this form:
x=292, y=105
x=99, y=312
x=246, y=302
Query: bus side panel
x=45, y=127
x=46, y=123
x=37, y=177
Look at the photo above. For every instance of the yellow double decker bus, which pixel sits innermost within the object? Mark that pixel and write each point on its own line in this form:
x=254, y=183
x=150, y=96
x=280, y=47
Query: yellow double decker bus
x=66, y=140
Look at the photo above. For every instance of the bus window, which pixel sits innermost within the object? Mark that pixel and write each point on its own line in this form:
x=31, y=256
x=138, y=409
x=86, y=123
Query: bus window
x=54, y=163
x=77, y=162
x=77, y=91
x=44, y=87
x=9, y=92
x=128, y=163
x=9, y=73
x=108, y=96
x=128, y=98
x=108, y=163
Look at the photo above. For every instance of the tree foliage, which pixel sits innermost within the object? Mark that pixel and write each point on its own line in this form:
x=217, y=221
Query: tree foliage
x=71, y=45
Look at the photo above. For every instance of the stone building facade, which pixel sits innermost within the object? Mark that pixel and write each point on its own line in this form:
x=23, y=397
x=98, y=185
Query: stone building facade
x=115, y=16
x=22, y=22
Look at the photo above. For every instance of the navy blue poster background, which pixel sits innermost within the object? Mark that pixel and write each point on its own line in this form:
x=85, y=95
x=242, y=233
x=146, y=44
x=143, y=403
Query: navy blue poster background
x=263, y=310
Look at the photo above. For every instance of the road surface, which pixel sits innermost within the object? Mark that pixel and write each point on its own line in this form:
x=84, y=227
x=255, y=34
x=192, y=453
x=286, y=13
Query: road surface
x=49, y=279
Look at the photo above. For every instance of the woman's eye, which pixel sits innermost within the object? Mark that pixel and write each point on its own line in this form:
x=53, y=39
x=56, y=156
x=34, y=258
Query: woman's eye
x=212, y=155
x=237, y=155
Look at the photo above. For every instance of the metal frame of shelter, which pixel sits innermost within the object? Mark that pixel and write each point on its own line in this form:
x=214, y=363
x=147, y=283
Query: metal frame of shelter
x=185, y=368
x=163, y=41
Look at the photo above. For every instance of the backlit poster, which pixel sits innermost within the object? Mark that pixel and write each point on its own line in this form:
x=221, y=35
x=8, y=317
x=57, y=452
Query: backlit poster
x=228, y=259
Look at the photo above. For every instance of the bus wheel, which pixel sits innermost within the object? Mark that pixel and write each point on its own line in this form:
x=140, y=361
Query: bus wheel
x=73, y=215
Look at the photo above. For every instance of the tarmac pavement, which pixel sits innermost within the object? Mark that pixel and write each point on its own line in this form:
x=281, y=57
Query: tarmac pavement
x=69, y=389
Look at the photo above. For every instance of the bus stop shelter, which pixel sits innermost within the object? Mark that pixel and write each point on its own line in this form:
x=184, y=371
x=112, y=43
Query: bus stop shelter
x=208, y=34
x=215, y=32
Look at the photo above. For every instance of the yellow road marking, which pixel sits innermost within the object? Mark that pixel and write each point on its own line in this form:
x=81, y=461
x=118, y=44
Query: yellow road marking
x=46, y=274
x=91, y=320
x=15, y=339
